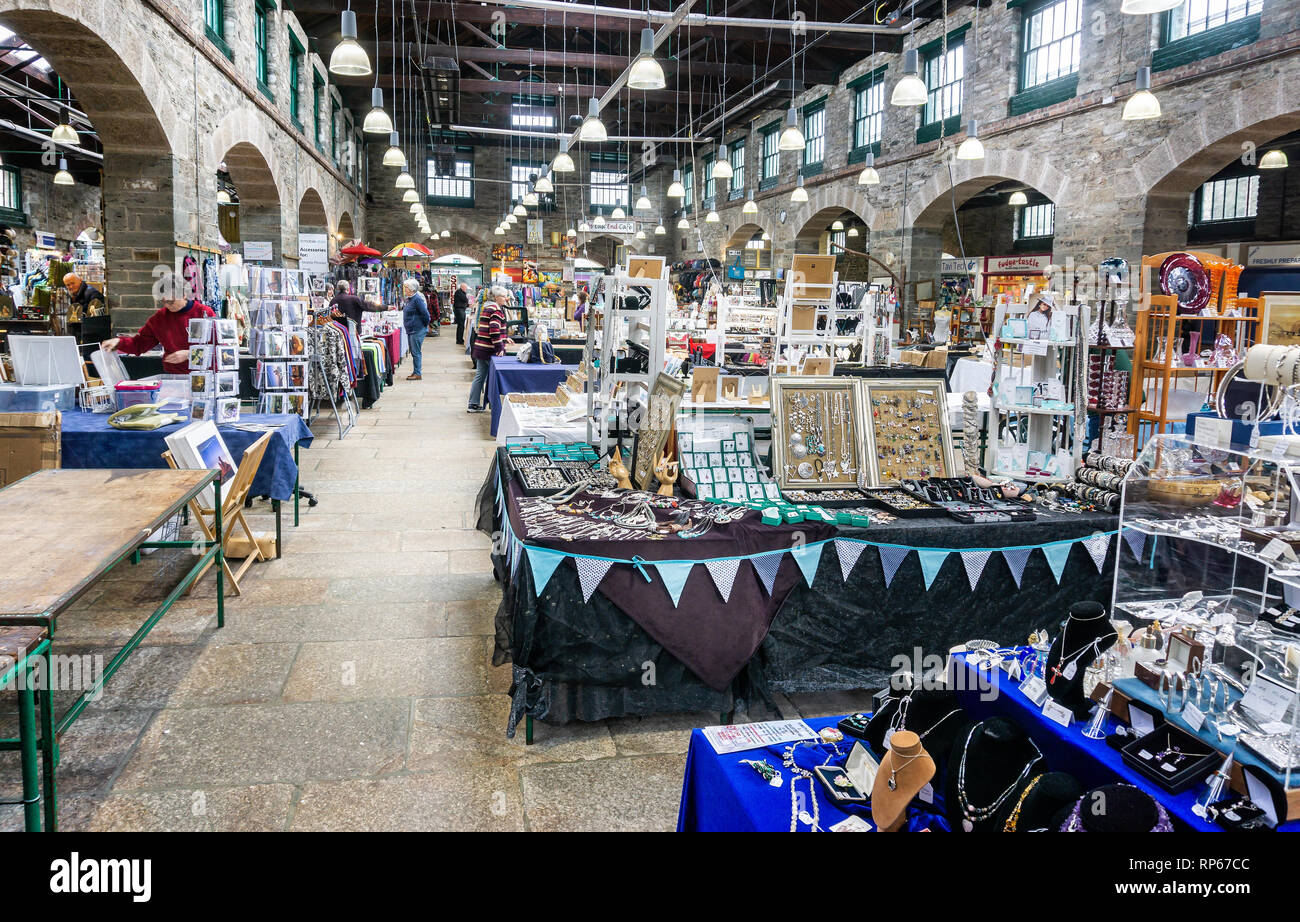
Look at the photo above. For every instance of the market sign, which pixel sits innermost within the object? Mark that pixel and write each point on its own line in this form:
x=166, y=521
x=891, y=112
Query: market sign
x=1016, y=265
x=959, y=266
x=258, y=250
x=1276, y=255
x=314, y=254
x=625, y=228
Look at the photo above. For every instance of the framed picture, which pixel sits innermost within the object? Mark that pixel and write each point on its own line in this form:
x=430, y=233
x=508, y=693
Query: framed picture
x=296, y=403
x=199, y=410
x=228, y=384
x=200, y=329
x=660, y=415
x=199, y=446
x=200, y=358
x=274, y=375
x=228, y=410
x=297, y=374
x=227, y=357
x=1281, y=318
x=296, y=343
x=274, y=345
x=817, y=432
x=200, y=384
x=907, y=430
x=227, y=330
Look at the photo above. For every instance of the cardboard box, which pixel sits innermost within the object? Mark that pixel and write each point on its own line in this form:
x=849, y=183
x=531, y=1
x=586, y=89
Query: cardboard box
x=704, y=384
x=29, y=442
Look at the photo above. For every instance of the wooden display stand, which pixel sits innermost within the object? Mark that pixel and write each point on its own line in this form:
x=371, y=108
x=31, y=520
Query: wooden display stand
x=1161, y=334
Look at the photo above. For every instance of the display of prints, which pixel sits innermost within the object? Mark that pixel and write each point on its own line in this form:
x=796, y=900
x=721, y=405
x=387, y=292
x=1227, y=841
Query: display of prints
x=228, y=410
x=200, y=329
x=227, y=357
x=228, y=384
x=227, y=331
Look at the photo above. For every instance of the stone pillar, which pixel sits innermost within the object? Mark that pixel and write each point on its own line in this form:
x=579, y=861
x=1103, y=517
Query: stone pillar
x=139, y=233
x=262, y=222
x=922, y=253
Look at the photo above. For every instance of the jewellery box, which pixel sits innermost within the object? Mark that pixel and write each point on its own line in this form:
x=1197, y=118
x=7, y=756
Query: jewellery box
x=1171, y=758
x=1261, y=811
x=1180, y=652
x=852, y=782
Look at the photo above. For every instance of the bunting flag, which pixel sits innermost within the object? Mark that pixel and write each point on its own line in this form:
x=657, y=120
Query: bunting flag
x=1098, y=545
x=975, y=561
x=890, y=558
x=1056, y=555
x=1137, y=540
x=766, y=566
x=1016, y=558
x=849, y=552
x=808, y=556
x=591, y=570
x=543, y=562
x=724, y=574
x=931, y=562
x=674, y=574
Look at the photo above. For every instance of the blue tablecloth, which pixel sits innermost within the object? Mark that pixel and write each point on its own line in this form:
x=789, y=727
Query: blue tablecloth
x=721, y=795
x=1066, y=749
x=508, y=375
x=90, y=442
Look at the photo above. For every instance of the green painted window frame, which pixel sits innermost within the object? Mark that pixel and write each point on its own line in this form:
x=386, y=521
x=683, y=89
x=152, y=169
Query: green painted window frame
x=604, y=161
x=1177, y=52
x=736, y=157
x=932, y=130
x=463, y=155
x=813, y=167
x=710, y=184
x=769, y=160
x=317, y=92
x=936, y=130
x=334, y=131
x=12, y=213
x=214, y=26
x=1021, y=212
x=1044, y=95
x=865, y=84
x=688, y=183
x=296, y=54
x=262, y=48
x=1028, y=12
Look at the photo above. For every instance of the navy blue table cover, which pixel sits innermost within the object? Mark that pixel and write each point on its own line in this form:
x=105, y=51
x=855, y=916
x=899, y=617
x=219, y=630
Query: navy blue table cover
x=90, y=442
x=508, y=375
x=721, y=795
x=1066, y=749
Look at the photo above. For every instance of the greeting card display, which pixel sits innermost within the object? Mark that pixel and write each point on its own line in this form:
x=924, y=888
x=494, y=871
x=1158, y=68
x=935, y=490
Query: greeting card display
x=279, y=338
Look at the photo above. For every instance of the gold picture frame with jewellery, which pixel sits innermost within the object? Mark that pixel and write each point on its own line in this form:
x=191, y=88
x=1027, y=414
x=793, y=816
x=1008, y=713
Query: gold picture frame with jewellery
x=818, y=431
x=907, y=430
x=660, y=416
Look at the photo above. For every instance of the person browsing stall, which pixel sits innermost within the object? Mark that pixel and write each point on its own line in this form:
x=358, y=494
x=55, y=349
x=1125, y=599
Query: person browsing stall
x=169, y=328
x=489, y=340
x=416, y=320
x=82, y=293
x=460, y=307
x=347, y=306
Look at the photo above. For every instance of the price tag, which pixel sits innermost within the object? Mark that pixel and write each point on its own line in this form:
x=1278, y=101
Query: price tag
x=1058, y=713
x=1195, y=719
x=1267, y=699
x=1280, y=449
x=926, y=794
x=1035, y=348
x=1035, y=690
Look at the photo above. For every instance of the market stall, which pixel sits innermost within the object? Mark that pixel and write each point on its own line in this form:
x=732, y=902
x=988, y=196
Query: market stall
x=508, y=375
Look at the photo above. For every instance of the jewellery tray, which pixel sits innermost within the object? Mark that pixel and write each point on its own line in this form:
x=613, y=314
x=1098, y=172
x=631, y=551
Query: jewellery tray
x=870, y=474
x=879, y=497
x=1190, y=771
x=782, y=456
x=862, y=498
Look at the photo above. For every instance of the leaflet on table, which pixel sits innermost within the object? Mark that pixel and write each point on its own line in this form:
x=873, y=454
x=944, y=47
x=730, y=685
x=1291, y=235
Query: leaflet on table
x=740, y=737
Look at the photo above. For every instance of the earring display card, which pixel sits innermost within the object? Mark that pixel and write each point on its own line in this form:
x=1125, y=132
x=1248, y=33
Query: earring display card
x=908, y=431
x=817, y=432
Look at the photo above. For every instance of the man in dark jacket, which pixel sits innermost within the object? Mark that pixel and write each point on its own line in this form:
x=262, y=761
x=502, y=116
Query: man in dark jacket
x=348, y=306
x=459, y=307
x=82, y=293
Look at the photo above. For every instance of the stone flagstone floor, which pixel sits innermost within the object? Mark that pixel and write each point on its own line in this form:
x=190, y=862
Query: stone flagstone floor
x=352, y=686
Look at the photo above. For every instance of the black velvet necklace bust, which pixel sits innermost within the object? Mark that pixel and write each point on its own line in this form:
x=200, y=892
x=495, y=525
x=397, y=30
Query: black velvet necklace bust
x=1087, y=635
x=1040, y=807
x=996, y=753
x=928, y=712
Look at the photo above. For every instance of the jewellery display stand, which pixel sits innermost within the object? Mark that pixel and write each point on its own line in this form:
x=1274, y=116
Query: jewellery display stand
x=907, y=430
x=1203, y=557
x=806, y=315
x=1034, y=433
x=877, y=328
x=636, y=311
x=818, y=432
x=743, y=321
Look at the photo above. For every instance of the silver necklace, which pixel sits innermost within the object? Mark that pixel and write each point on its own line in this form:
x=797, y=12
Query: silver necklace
x=971, y=814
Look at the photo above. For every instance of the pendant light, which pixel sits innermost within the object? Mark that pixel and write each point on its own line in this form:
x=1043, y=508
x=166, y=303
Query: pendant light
x=404, y=181
x=584, y=227
x=377, y=120
x=499, y=232
x=1147, y=7
x=1274, y=160
x=571, y=233
x=618, y=214
x=675, y=188
x=410, y=195
x=349, y=59
x=1018, y=198
x=640, y=235
x=852, y=232
x=563, y=163
x=394, y=156
x=511, y=219
x=660, y=230
x=415, y=208
x=63, y=132
x=791, y=137
x=63, y=177
x=799, y=194
x=766, y=238
x=722, y=166
x=599, y=222
x=445, y=232
x=593, y=129
x=544, y=184
x=645, y=72
x=683, y=224
x=909, y=91
x=519, y=211
x=712, y=218
x=869, y=176
x=750, y=206
x=972, y=148
x=1142, y=104
x=643, y=201
x=837, y=225
x=223, y=197
x=530, y=200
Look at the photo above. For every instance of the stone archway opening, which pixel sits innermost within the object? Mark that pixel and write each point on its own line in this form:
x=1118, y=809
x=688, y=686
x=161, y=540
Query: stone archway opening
x=140, y=213
x=260, y=217
x=312, y=218
x=347, y=231
x=840, y=232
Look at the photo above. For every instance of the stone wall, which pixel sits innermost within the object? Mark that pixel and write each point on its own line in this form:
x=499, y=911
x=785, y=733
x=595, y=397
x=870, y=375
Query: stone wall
x=64, y=211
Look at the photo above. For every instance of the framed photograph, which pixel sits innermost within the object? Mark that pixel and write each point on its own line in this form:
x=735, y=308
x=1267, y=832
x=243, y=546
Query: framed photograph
x=274, y=375
x=228, y=384
x=199, y=409
x=293, y=313
x=199, y=329
x=227, y=330
x=227, y=357
x=272, y=404
x=297, y=374
x=907, y=430
x=1281, y=318
x=296, y=343
x=200, y=384
x=273, y=344
x=296, y=403
x=817, y=432
x=272, y=282
x=199, y=446
x=367, y=285
x=228, y=410
x=200, y=358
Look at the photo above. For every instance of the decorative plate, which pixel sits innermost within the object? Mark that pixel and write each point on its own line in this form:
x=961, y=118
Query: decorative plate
x=1183, y=276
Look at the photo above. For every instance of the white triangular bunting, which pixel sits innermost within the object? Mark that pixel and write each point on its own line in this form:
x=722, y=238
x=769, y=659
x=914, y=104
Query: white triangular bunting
x=891, y=557
x=1098, y=545
x=590, y=572
x=849, y=552
x=724, y=574
x=1016, y=558
x=975, y=561
x=766, y=565
x=1136, y=540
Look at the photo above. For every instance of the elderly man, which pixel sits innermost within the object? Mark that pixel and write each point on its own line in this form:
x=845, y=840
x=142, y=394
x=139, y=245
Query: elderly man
x=347, y=306
x=82, y=293
x=459, y=307
x=416, y=320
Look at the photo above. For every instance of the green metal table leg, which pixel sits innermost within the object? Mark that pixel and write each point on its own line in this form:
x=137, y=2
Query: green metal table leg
x=49, y=747
x=528, y=729
x=219, y=562
x=279, y=550
x=135, y=558
x=296, y=478
x=27, y=735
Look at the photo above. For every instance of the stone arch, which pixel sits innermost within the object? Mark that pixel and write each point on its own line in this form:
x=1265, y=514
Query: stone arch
x=601, y=248
x=260, y=208
x=807, y=239
x=743, y=234
x=346, y=229
x=932, y=204
x=312, y=217
x=98, y=51
x=825, y=198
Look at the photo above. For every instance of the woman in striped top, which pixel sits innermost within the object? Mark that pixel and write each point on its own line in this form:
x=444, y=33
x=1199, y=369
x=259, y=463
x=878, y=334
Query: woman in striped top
x=489, y=340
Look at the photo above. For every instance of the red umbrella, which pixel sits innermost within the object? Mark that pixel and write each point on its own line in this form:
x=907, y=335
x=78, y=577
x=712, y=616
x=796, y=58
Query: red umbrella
x=359, y=249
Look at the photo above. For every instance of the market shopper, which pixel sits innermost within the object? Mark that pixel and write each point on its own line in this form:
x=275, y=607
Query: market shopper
x=415, y=318
x=489, y=340
x=459, y=307
x=82, y=293
x=347, y=306
x=580, y=312
x=169, y=328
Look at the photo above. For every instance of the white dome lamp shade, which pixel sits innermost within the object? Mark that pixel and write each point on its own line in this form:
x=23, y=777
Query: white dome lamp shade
x=1018, y=198
x=1147, y=7
x=519, y=211
x=618, y=214
x=600, y=221
x=446, y=233
x=404, y=180
x=837, y=225
x=800, y=194
x=852, y=232
x=544, y=184
x=910, y=90
x=750, y=206
x=349, y=59
x=63, y=132
x=1143, y=104
x=869, y=176
x=571, y=233
x=660, y=230
x=410, y=195
x=415, y=208
x=722, y=166
x=1274, y=160
x=563, y=163
x=640, y=235
x=223, y=197
x=675, y=188
x=511, y=219
x=972, y=148
x=377, y=120
x=530, y=199
x=593, y=129
x=645, y=72
x=642, y=201
x=683, y=224
x=394, y=155
x=63, y=177
x=500, y=232
x=712, y=218
x=791, y=137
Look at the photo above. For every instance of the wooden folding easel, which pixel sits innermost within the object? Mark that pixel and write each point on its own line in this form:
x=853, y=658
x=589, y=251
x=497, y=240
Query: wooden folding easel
x=232, y=512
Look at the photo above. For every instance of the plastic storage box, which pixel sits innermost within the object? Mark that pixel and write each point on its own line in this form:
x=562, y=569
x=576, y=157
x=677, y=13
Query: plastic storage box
x=37, y=398
x=130, y=393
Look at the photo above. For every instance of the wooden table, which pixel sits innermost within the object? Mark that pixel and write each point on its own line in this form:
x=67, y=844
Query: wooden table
x=69, y=528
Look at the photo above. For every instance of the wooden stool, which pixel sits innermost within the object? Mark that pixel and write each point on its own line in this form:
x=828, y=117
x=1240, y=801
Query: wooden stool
x=20, y=648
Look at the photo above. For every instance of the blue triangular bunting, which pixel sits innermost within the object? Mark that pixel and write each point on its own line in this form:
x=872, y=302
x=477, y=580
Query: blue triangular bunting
x=1098, y=545
x=1136, y=540
x=974, y=561
x=1016, y=558
x=724, y=574
x=766, y=566
x=890, y=558
x=590, y=572
x=543, y=562
x=674, y=574
x=848, y=552
x=931, y=561
x=808, y=556
x=1056, y=555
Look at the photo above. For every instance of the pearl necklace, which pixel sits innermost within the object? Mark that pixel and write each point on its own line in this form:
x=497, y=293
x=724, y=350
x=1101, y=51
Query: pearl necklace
x=797, y=815
x=972, y=813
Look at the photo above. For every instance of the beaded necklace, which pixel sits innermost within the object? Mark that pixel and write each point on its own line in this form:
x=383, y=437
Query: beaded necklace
x=971, y=814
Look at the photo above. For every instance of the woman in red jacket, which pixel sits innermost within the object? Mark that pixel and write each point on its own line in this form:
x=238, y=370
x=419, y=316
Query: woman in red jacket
x=169, y=328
